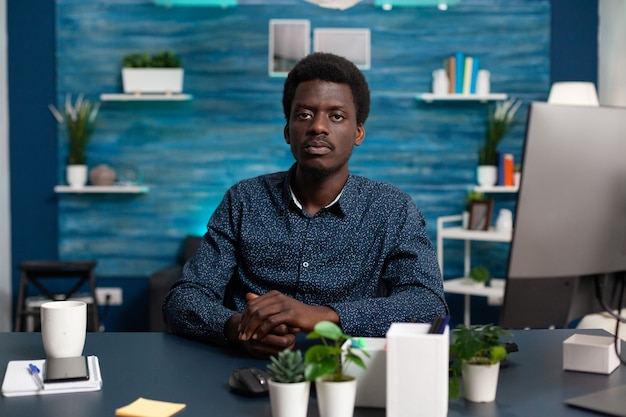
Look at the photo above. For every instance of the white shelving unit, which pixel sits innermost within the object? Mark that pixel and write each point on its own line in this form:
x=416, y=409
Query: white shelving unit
x=449, y=227
x=483, y=98
x=145, y=97
x=101, y=189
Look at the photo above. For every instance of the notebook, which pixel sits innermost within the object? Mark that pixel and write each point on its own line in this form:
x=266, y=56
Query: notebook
x=610, y=401
x=19, y=382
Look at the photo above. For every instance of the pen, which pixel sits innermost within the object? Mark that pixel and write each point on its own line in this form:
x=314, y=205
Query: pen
x=34, y=371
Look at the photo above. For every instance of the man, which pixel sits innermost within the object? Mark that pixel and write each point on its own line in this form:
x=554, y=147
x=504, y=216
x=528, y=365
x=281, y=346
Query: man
x=286, y=250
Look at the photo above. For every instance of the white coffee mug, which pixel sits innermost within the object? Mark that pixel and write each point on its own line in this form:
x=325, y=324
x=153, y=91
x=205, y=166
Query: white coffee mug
x=63, y=328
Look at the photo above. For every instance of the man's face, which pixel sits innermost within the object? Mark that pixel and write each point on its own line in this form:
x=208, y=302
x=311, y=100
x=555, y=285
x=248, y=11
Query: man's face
x=322, y=128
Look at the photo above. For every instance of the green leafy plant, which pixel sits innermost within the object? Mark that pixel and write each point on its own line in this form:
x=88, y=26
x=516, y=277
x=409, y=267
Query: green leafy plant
x=79, y=119
x=499, y=122
x=472, y=196
x=480, y=274
x=474, y=344
x=287, y=367
x=164, y=59
x=328, y=359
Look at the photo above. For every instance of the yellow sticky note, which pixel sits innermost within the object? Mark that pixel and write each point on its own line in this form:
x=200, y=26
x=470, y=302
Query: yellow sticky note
x=149, y=408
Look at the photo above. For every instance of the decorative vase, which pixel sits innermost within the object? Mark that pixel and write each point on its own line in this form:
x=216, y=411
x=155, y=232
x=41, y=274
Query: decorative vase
x=504, y=222
x=480, y=382
x=76, y=175
x=102, y=175
x=289, y=400
x=487, y=175
x=335, y=399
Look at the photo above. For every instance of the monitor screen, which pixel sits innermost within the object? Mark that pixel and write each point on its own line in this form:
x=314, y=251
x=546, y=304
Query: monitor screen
x=570, y=216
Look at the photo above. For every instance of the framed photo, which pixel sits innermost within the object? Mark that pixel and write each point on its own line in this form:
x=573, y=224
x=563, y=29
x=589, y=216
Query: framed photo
x=353, y=44
x=289, y=42
x=480, y=214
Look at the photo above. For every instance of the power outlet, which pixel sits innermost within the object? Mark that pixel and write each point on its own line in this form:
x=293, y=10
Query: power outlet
x=114, y=296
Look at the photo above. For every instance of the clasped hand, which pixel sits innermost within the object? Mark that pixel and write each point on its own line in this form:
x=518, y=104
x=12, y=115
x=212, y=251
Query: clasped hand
x=270, y=321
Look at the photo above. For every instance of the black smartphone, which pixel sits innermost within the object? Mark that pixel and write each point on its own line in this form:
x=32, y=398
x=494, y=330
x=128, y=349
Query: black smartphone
x=66, y=369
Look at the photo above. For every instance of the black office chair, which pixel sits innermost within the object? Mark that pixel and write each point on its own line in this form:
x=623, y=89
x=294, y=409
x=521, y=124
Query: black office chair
x=55, y=281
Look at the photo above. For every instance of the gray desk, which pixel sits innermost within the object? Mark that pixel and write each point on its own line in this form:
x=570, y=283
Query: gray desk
x=165, y=367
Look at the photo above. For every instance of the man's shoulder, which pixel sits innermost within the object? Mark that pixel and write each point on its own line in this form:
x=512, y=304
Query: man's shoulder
x=261, y=181
x=382, y=189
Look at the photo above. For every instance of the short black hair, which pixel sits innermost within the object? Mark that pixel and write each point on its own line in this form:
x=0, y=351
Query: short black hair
x=332, y=68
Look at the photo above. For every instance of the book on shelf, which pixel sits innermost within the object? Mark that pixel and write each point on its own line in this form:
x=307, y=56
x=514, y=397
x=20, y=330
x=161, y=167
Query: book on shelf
x=506, y=169
x=462, y=72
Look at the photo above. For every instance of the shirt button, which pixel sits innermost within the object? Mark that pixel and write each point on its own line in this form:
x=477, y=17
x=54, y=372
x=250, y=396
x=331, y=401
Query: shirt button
x=305, y=264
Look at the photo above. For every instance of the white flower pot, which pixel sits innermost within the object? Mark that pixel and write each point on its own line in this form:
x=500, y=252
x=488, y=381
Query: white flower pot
x=480, y=382
x=335, y=399
x=76, y=175
x=487, y=175
x=289, y=400
x=152, y=80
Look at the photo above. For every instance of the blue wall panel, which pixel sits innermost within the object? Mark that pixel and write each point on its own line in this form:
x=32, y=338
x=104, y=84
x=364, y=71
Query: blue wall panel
x=189, y=153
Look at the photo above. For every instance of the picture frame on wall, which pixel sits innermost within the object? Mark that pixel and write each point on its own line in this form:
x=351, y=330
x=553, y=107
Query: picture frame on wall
x=289, y=42
x=480, y=214
x=351, y=43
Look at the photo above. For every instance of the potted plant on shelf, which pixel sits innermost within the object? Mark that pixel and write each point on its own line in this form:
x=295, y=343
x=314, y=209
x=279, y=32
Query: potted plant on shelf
x=158, y=73
x=476, y=352
x=480, y=274
x=289, y=391
x=79, y=120
x=499, y=121
x=326, y=364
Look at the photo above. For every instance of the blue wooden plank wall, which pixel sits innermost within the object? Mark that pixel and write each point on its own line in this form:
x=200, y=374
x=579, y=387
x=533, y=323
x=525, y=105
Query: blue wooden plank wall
x=189, y=153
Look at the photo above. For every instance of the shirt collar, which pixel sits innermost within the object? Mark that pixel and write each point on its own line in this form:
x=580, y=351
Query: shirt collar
x=341, y=205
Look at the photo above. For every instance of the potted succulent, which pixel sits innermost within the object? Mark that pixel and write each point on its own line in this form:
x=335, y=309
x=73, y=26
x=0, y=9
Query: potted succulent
x=79, y=119
x=326, y=364
x=476, y=352
x=480, y=274
x=499, y=122
x=158, y=73
x=289, y=391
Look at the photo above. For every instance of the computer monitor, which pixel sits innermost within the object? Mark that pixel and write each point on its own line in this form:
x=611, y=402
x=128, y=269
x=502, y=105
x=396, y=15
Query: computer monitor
x=570, y=216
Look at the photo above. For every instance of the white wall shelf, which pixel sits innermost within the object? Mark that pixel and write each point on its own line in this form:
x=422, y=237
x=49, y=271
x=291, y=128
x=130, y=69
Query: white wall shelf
x=449, y=227
x=102, y=189
x=497, y=189
x=483, y=98
x=146, y=97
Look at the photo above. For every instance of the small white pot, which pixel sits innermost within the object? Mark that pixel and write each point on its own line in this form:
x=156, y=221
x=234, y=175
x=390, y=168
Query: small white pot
x=335, y=399
x=487, y=175
x=480, y=382
x=289, y=400
x=152, y=80
x=76, y=175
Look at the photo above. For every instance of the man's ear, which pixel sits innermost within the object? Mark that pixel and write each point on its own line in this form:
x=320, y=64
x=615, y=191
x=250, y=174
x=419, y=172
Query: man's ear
x=360, y=135
x=286, y=134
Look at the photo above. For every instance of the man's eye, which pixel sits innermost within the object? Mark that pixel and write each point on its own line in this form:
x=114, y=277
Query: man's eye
x=337, y=117
x=304, y=115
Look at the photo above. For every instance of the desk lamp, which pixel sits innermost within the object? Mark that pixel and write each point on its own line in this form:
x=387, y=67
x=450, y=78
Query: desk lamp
x=576, y=93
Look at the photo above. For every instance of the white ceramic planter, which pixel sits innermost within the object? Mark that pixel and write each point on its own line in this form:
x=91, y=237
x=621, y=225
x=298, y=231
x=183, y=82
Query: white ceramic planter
x=480, y=382
x=152, y=80
x=76, y=175
x=289, y=400
x=336, y=399
x=487, y=175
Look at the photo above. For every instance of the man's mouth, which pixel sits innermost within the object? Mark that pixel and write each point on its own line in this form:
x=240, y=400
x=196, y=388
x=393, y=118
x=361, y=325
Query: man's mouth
x=317, y=147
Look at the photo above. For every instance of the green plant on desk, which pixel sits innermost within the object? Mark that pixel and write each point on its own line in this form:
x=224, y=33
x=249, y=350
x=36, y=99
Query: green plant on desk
x=287, y=367
x=325, y=360
x=477, y=345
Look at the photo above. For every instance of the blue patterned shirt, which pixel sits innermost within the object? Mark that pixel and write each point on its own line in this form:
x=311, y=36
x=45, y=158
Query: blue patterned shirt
x=366, y=256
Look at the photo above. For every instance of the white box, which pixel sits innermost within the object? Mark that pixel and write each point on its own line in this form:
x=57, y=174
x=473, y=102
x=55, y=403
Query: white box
x=417, y=371
x=371, y=382
x=587, y=353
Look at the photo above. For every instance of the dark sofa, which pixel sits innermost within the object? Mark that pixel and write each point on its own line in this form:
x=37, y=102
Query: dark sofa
x=160, y=282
